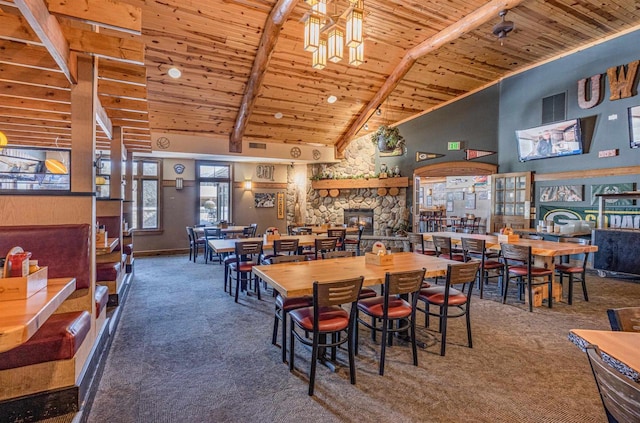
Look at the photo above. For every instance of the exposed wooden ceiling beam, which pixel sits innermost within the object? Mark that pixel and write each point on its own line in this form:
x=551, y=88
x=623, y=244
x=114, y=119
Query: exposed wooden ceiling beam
x=270, y=34
x=103, y=120
x=48, y=29
x=468, y=23
x=107, y=13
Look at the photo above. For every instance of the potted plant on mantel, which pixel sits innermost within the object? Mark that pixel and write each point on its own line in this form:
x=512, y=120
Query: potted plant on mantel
x=387, y=138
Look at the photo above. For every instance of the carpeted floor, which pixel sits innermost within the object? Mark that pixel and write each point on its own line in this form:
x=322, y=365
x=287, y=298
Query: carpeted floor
x=184, y=351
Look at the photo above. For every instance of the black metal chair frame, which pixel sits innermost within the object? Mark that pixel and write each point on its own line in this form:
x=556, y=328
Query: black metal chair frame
x=465, y=274
x=322, y=245
x=519, y=255
x=574, y=276
x=245, y=251
x=476, y=249
x=211, y=234
x=340, y=234
x=328, y=294
x=442, y=245
x=396, y=284
x=350, y=242
x=626, y=319
x=193, y=241
x=280, y=314
x=418, y=239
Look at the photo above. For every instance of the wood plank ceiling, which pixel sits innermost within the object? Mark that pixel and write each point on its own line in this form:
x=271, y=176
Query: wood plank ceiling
x=214, y=44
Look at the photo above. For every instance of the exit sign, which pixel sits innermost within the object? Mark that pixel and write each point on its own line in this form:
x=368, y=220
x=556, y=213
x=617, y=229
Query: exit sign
x=454, y=145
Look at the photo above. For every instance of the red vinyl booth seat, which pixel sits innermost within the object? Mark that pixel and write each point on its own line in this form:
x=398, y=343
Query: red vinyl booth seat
x=101, y=297
x=107, y=271
x=59, y=338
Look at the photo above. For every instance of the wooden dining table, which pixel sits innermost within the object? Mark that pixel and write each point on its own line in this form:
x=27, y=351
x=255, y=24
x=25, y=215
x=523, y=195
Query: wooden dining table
x=544, y=253
x=228, y=245
x=317, y=230
x=296, y=279
x=199, y=230
x=620, y=349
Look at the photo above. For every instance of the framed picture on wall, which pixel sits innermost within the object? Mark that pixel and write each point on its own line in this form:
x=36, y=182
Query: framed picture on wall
x=449, y=206
x=429, y=201
x=470, y=202
x=458, y=195
x=634, y=126
x=265, y=199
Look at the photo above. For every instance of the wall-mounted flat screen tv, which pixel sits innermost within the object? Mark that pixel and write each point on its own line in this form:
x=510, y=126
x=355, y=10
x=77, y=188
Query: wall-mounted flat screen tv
x=553, y=140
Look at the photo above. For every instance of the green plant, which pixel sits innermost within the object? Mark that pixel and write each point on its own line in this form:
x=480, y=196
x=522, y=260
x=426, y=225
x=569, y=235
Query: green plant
x=390, y=135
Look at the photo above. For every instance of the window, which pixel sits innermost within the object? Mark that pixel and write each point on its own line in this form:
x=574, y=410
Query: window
x=146, y=194
x=214, y=192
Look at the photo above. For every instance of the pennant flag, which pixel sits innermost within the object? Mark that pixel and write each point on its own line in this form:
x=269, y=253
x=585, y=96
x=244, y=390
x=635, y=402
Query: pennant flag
x=475, y=154
x=420, y=156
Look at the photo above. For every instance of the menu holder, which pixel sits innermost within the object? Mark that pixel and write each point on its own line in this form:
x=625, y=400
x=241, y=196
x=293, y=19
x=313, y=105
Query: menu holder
x=21, y=288
x=508, y=238
x=378, y=260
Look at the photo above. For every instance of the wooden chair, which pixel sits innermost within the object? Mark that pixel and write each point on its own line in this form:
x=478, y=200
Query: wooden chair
x=326, y=318
x=285, y=304
x=446, y=298
x=575, y=273
x=195, y=243
x=246, y=255
x=340, y=234
x=476, y=249
x=322, y=245
x=620, y=396
x=416, y=245
x=391, y=307
x=354, y=243
x=443, y=248
x=518, y=262
x=338, y=254
x=624, y=319
x=282, y=246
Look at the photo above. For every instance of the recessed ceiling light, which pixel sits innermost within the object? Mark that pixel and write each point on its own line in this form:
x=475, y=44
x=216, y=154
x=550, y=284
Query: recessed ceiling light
x=278, y=115
x=332, y=99
x=175, y=73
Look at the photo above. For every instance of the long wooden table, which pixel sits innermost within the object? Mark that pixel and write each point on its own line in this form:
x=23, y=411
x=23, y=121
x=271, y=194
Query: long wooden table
x=295, y=279
x=199, y=231
x=544, y=252
x=229, y=245
x=317, y=230
x=20, y=319
x=620, y=349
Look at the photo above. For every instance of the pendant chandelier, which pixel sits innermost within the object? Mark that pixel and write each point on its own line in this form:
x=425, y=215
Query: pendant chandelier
x=325, y=37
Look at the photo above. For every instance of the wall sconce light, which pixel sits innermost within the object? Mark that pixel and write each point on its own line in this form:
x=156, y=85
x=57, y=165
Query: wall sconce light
x=472, y=189
x=179, y=183
x=248, y=185
x=429, y=192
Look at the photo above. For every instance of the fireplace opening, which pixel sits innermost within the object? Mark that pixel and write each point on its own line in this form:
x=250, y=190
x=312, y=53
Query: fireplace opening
x=357, y=217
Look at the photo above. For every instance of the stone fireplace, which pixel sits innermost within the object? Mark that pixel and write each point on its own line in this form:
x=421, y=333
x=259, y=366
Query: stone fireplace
x=357, y=217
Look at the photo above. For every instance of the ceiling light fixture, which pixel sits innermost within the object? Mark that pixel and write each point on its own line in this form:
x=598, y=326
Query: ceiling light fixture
x=332, y=99
x=278, y=115
x=378, y=111
x=502, y=28
x=174, y=72
x=325, y=37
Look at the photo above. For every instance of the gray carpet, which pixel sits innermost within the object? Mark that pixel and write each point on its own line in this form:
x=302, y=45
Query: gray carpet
x=184, y=351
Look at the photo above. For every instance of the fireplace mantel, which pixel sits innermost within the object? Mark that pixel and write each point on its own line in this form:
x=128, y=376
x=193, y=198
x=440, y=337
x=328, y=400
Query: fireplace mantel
x=397, y=182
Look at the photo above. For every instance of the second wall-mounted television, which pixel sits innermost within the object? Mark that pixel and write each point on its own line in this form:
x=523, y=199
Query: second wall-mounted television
x=553, y=140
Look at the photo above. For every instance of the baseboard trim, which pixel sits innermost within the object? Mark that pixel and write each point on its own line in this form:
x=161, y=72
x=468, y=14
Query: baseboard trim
x=170, y=252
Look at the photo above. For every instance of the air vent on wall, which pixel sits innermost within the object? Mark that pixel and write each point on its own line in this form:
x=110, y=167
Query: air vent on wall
x=259, y=145
x=554, y=108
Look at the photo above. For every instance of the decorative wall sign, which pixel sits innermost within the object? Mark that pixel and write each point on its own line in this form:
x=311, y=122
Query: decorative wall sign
x=458, y=195
x=624, y=217
x=459, y=181
x=178, y=168
x=264, y=200
x=475, y=154
x=449, y=206
x=163, y=143
x=612, y=189
x=295, y=152
x=561, y=193
x=280, y=202
x=421, y=156
x=265, y=171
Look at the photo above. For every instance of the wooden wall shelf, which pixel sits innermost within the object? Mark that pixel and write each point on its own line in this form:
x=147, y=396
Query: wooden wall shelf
x=373, y=183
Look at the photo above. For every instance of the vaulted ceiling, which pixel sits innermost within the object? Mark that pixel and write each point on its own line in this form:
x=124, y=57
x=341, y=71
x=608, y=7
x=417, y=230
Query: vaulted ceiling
x=418, y=55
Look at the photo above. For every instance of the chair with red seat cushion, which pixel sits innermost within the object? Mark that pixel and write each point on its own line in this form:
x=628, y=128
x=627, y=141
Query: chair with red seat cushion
x=285, y=304
x=247, y=254
x=322, y=245
x=575, y=273
x=416, y=245
x=340, y=234
x=326, y=318
x=446, y=298
x=391, y=307
x=280, y=246
x=518, y=262
x=364, y=292
x=476, y=249
x=443, y=248
x=352, y=243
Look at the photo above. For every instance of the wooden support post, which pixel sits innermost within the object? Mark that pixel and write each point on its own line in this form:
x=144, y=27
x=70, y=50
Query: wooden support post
x=115, y=182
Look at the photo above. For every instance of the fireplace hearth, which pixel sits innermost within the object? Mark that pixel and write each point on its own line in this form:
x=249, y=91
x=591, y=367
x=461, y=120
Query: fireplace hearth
x=357, y=217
